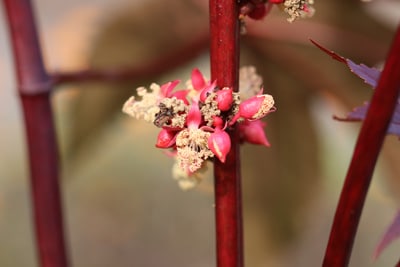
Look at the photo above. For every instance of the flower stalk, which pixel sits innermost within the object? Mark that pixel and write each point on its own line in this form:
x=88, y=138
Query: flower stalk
x=34, y=86
x=363, y=162
x=224, y=56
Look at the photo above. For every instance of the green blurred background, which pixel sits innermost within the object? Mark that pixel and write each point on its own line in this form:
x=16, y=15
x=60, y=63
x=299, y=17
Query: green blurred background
x=122, y=207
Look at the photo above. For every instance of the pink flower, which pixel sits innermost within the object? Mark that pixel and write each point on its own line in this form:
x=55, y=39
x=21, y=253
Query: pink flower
x=191, y=142
x=253, y=132
x=166, y=138
x=219, y=143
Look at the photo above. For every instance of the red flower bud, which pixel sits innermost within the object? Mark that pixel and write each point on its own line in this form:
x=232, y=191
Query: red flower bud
x=259, y=12
x=224, y=99
x=218, y=122
x=219, y=143
x=166, y=138
x=256, y=107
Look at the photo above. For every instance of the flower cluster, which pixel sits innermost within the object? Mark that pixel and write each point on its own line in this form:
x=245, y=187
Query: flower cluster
x=258, y=9
x=298, y=8
x=194, y=120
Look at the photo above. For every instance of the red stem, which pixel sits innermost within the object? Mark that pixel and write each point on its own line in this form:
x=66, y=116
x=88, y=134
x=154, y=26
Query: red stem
x=174, y=59
x=224, y=53
x=34, y=86
x=362, y=165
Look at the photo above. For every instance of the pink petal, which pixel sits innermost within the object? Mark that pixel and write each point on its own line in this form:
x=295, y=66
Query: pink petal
x=253, y=132
x=166, y=138
x=219, y=143
x=167, y=88
x=193, y=118
x=198, y=81
x=171, y=153
x=181, y=94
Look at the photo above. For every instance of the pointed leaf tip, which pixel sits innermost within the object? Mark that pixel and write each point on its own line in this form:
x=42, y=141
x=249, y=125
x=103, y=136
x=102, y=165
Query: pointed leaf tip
x=370, y=76
x=329, y=52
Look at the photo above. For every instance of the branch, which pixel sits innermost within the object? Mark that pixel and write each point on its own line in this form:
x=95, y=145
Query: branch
x=34, y=86
x=172, y=60
x=224, y=53
x=362, y=165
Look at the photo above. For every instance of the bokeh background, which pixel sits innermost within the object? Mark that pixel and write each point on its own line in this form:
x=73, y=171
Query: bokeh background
x=122, y=207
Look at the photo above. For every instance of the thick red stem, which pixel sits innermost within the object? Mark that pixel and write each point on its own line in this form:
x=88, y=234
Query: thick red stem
x=362, y=165
x=34, y=86
x=224, y=53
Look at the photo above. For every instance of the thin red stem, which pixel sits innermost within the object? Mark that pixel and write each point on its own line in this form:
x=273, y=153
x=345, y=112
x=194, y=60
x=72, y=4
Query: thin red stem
x=365, y=154
x=176, y=58
x=224, y=53
x=34, y=86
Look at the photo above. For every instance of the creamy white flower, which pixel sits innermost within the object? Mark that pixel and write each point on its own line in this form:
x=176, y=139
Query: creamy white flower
x=186, y=181
x=250, y=82
x=192, y=149
x=147, y=107
x=299, y=9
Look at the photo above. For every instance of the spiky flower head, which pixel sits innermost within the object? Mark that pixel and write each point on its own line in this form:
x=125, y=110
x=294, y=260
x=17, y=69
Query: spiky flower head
x=194, y=121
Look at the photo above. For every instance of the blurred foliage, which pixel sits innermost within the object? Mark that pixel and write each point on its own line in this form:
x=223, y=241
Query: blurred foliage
x=130, y=38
